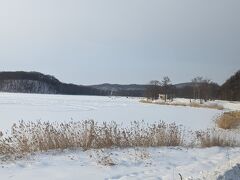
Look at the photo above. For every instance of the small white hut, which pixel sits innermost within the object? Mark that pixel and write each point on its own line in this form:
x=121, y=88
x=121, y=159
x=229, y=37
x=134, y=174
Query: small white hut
x=162, y=97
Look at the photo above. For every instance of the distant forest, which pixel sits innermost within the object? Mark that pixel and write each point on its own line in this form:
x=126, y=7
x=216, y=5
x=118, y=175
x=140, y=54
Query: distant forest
x=230, y=90
x=198, y=88
x=35, y=82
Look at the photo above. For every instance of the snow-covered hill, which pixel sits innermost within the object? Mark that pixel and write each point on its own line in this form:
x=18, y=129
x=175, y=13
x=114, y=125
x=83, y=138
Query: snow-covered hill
x=35, y=82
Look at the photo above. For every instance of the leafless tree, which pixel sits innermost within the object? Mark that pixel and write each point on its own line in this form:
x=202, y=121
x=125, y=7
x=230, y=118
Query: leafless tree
x=166, y=85
x=152, y=91
x=206, y=89
x=196, y=87
x=201, y=88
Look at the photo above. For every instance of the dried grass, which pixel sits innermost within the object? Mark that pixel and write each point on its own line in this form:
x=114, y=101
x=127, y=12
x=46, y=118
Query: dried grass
x=229, y=120
x=103, y=158
x=39, y=137
x=209, y=106
x=30, y=137
x=141, y=154
x=213, y=137
x=192, y=104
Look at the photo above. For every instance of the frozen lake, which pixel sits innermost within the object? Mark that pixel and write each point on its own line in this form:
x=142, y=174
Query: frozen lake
x=32, y=107
x=159, y=163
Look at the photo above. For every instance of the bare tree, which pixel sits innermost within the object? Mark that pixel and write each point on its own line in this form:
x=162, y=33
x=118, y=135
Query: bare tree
x=196, y=90
x=201, y=88
x=152, y=91
x=206, y=89
x=197, y=87
x=166, y=85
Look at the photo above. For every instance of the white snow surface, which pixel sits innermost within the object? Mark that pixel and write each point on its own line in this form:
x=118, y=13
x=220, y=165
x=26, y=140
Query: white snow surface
x=227, y=105
x=150, y=163
x=33, y=107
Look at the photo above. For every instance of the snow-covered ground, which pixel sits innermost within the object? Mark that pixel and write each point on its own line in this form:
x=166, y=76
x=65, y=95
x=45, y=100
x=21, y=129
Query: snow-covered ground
x=150, y=163
x=225, y=105
x=32, y=107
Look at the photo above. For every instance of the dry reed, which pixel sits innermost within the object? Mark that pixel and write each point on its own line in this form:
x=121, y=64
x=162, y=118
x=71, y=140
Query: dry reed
x=213, y=137
x=30, y=137
x=192, y=104
x=43, y=136
x=229, y=120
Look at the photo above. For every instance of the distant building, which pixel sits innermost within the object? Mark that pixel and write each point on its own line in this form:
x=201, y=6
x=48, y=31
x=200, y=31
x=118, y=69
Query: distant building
x=162, y=96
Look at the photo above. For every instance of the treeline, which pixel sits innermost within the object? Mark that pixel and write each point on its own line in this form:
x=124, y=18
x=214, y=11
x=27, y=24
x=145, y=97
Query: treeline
x=199, y=88
x=198, y=91
x=35, y=82
x=133, y=90
x=230, y=90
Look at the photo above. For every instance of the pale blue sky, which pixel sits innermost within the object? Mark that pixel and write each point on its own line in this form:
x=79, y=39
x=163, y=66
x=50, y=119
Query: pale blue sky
x=121, y=41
